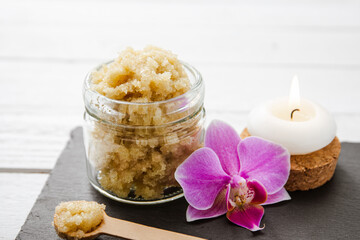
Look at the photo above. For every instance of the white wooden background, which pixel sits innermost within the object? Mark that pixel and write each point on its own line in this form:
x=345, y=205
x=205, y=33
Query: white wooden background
x=247, y=52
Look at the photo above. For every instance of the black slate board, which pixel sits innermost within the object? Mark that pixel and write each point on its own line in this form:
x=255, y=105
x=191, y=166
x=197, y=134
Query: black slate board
x=329, y=212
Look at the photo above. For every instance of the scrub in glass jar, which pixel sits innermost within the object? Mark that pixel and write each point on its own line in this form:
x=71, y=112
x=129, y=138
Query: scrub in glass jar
x=144, y=116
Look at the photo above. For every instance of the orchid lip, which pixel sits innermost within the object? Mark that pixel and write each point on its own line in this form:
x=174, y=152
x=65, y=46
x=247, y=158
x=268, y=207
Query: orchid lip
x=242, y=193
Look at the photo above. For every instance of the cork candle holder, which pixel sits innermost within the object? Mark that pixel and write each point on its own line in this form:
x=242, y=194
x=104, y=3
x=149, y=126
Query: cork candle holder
x=311, y=170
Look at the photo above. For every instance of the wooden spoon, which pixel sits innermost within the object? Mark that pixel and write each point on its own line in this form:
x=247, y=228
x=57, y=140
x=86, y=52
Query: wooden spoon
x=128, y=230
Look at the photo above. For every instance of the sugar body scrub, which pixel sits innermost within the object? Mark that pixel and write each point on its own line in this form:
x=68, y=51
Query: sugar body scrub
x=78, y=217
x=144, y=116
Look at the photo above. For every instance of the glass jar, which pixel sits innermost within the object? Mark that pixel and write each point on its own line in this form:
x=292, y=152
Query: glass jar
x=134, y=161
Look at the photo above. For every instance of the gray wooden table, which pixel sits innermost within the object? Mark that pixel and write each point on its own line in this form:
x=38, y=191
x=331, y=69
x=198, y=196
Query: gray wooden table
x=247, y=52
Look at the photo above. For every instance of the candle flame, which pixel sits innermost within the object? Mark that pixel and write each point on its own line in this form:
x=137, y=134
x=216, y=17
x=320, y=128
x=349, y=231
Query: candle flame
x=294, y=96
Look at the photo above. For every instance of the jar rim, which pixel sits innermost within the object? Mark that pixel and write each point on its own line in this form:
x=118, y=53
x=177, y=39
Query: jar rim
x=194, y=87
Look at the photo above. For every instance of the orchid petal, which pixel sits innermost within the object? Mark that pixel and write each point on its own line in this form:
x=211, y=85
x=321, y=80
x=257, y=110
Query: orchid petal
x=279, y=196
x=223, y=139
x=202, y=178
x=265, y=161
x=248, y=216
x=259, y=191
x=230, y=204
x=217, y=209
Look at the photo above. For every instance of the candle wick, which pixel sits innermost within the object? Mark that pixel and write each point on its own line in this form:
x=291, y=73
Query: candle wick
x=292, y=113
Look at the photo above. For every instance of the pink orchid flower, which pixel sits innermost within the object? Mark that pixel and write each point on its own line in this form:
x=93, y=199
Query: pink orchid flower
x=233, y=176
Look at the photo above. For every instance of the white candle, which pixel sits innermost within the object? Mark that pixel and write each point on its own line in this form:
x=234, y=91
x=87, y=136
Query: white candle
x=298, y=124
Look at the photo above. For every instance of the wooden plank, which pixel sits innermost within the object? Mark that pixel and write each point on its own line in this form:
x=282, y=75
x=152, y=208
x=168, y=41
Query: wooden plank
x=255, y=13
x=230, y=45
x=34, y=138
x=55, y=88
x=239, y=88
x=312, y=34
x=18, y=194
